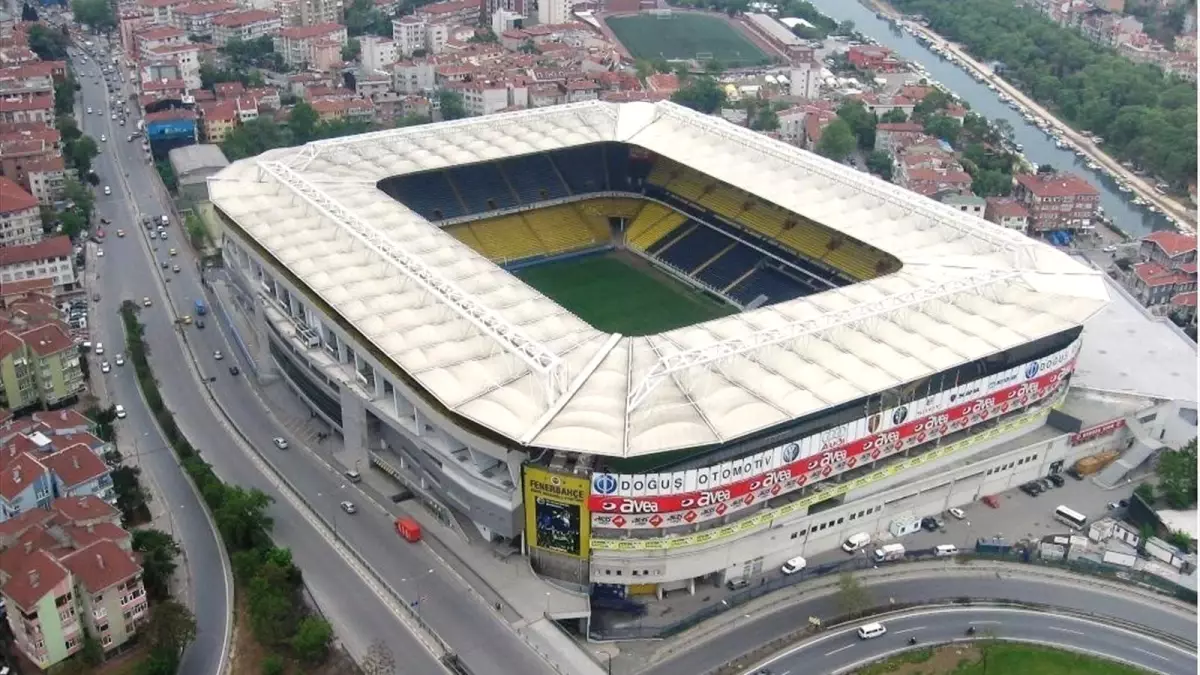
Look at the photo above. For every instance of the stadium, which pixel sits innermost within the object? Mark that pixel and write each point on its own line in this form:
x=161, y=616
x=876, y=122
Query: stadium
x=651, y=348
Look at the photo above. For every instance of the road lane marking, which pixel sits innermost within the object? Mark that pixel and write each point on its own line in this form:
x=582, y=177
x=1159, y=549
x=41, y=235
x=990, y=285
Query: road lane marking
x=987, y=623
x=1065, y=630
x=839, y=649
x=1150, y=653
x=909, y=630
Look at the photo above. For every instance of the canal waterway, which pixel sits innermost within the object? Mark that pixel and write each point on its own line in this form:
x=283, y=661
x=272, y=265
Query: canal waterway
x=1039, y=147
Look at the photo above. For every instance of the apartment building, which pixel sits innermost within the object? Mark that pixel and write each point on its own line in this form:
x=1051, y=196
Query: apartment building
x=408, y=34
x=1061, y=201
x=197, y=18
x=153, y=37
x=217, y=120
x=184, y=57
x=1007, y=212
x=47, y=259
x=299, y=46
x=67, y=570
x=39, y=367
x=246, y=25
x=160, y=11
x=45, y=179
x=486, y=97
x=413, y=77
x=20, y=218
x=23, y=144
x=31, y=78
x=377, y=52
x=890, y=137
x=295, y=13
x=553, y=11
x=454, y=12
x=27, y=108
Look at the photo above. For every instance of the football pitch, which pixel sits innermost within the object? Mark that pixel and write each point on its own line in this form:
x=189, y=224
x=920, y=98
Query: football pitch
x=618, y=293
x=684, y=35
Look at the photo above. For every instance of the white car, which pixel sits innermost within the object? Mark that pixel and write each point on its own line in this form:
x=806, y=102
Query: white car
x=349, y=507
x=957, y=513
x=794, y=565
x=280, y=442
x=1110, y=249
x=120, y=360
x=99, y=253
x=107, y=190
x=146, y=301
x=99, y=348
x=89, y=111
x=217, y=355
x=120, y=411
x=104, y=367
x=103, y=138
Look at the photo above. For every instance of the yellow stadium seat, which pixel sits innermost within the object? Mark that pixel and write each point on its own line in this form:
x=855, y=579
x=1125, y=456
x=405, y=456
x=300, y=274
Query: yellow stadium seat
x=661, y=228
x=562, y=228
x=507, y=238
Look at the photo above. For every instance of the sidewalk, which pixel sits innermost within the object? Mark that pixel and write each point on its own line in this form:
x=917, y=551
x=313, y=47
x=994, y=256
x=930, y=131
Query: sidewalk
x=494, y=577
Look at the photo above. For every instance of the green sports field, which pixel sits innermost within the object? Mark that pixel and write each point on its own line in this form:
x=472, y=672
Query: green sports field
x=683, y=36
x=618, y=293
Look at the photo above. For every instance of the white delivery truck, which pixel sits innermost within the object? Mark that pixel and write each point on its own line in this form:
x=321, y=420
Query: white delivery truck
x=855, y=542
x=889, y=552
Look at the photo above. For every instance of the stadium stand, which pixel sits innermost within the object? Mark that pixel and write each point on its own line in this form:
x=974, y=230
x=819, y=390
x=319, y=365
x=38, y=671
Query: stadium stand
x=562, y=229
x=533, y=178
x=482, y=187
x=695, y=247
x=766, y=281
x=651, y=225
x=504, y=239
x=429, y=194
x=582, y=168
x=729, y=266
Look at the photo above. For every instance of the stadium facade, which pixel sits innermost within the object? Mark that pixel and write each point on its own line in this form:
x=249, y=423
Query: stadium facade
x=877, y=353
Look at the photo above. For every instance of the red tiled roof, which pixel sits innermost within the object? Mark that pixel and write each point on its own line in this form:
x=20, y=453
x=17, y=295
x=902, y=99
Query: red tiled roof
x=75, y=465
x=45, y=165
x=939, y=176
x=1006, y=207
x=450, y=7
x=1184, y=299
x=304, y=32
x=155, y=33
x=33, y=575
x=199, y=8
x=82, y=509
x=9, y=343
x=664, y=82
x=20, y=472
x=54, y=247
x=35, y=102
x=101, y=565
x=14, y=198
x=1056, y=185
x=238, y=19
x=1172, y=243
x=66, y=418
x=47, y=339
x=899, y=126
x=1153, y=274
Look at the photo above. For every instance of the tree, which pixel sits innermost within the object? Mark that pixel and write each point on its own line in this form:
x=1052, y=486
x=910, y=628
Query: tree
x=1176, y=473
x=102, y=419
x=47, y=43
x=992, y=183
x=159, y=552
x=943, y=127
x=766, y=120
x=312, y=638
x=170, y=628
x=861, y=122
x=272, y=611
x=880, y=164
x=837, y=140
x=242, y=519
x=379, y=660
x=64, y=96
x=81, y=152
x=273, y=664
x=302, y=122
x=351, y=50
x=1146, y=492
x=79, y=198
x=95, y=14
x=851, y=596
x=255, y=137
x=702, y=94
x=452, y=105
x=132, y=498
x=893, y=116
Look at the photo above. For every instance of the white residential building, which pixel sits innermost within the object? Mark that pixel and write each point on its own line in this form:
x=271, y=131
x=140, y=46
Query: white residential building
x=47, y=259
x=554, y=11
x=20, y=219
x=413, y=77
x=247, y=25
x=409, y=35
x=377, y=52
x=297, y=44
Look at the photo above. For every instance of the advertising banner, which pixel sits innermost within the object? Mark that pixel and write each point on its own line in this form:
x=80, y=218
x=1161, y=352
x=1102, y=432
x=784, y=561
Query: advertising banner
x=556, y=512
x=1091, y=433
x=765, y=518
x=613, y=507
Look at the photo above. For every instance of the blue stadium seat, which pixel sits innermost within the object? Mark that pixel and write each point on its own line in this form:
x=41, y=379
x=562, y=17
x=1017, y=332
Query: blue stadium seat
x=429, y=194
x=766, y=281
x=731, y=265
x=694, y=248
x=482, y=187
x=616, y=162
x=533, y=178
x=582, y=168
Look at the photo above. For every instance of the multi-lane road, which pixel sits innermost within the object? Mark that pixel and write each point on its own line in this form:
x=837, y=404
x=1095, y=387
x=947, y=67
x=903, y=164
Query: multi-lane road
x=841, y=650
x=361, y=613
x=760, y=628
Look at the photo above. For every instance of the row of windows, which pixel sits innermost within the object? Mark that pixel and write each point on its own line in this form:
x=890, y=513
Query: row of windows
x=1015, y=463
x=834, y=523
x=635, y=573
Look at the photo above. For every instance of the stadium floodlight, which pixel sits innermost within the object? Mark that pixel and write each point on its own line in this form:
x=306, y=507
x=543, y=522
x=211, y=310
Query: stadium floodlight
x=537, y=356
x=670, y=365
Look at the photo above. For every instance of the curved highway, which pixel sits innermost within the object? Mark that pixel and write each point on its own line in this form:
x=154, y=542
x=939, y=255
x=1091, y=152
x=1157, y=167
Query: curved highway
x=841, y=650
x=204, y=560
x=360, y=613
x=760, y=628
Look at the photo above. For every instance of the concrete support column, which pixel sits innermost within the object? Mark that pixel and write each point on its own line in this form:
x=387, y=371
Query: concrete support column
x=265, y=367
x=354, y=429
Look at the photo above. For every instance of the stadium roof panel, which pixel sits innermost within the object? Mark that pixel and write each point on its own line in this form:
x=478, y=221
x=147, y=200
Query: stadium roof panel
x=502, y=355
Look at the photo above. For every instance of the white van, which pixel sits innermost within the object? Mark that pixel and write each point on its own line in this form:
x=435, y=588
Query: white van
x=794, y=565
x=945, y=549
x=871, y=630
x=855, y=542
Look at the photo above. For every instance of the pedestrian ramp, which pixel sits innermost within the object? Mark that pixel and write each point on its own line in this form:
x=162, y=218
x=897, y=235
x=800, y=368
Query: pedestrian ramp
x=1143, y=446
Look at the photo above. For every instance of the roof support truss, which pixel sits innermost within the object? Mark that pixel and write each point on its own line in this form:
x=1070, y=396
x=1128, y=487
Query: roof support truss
x=670, y=364
x=536, y=355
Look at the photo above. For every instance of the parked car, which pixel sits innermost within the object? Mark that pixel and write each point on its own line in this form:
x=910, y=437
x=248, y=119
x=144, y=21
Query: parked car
x=1058, y=480
x=280, y=442
x=957, y=513
x=737, y=584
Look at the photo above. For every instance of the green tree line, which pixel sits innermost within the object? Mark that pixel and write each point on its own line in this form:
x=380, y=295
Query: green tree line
x=267, y=580
x=1145, y=116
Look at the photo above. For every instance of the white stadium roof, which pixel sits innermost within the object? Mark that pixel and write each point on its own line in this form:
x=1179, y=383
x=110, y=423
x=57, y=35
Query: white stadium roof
x=500, y=354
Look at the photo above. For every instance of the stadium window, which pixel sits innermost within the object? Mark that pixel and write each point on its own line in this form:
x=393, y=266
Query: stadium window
x=635, y=573
x=803, y=531
x=840, y=521
x=794, y=535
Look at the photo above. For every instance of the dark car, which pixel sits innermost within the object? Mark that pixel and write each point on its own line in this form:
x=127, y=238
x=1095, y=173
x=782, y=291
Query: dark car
x=200, y=324
x=1031, y=489
x=929, y=523
x=737, y=584
x=233, y=370
x=1058, y=480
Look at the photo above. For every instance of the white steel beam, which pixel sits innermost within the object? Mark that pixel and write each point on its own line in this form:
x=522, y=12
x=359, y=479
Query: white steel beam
x=671, y=364
x=536, y=355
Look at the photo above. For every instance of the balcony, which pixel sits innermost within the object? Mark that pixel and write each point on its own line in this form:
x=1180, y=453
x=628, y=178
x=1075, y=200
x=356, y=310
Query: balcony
x=133, y=597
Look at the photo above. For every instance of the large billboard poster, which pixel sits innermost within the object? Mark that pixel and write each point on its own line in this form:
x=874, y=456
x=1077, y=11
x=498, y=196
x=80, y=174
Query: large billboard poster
x=651, y=501
x=556, y=512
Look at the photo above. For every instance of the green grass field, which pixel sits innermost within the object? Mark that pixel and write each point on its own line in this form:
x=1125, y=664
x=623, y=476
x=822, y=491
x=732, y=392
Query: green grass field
x=683, y=36
x=983, y=659
x=617, y=293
